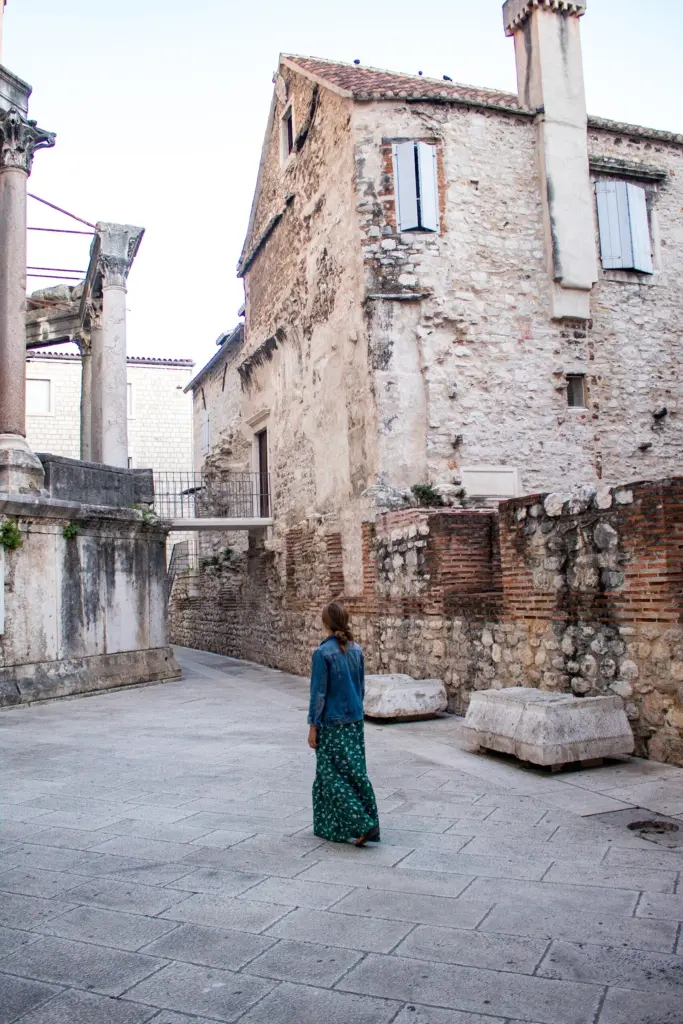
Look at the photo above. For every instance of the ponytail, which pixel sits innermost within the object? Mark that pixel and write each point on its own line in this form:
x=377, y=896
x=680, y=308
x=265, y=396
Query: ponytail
x=336, y=618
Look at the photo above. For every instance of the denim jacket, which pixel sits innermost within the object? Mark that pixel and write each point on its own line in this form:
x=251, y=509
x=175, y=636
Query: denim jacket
x=337, y=684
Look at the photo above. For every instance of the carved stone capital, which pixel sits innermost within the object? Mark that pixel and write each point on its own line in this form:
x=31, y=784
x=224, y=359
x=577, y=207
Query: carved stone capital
x=91, y=318
x=516, y=12
x=117, y=245
x=20, y=140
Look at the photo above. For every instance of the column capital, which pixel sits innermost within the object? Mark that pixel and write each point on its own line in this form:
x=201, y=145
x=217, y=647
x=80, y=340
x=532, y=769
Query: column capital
x=516, y=12
x=117, y=247
x=20, y=140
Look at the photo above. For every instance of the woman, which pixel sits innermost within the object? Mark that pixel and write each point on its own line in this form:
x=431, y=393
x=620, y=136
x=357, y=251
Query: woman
x=344, y=804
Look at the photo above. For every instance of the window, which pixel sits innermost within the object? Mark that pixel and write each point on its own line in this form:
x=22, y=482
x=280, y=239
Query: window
x=205, y=438
x=287, y=133
x=576, y=390
x=417, y=194
x=129, y=401
x=624, y=226
x=38, y=397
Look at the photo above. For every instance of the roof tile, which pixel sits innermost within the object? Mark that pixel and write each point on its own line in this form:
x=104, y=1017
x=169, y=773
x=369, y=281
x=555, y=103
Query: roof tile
x=373, y=83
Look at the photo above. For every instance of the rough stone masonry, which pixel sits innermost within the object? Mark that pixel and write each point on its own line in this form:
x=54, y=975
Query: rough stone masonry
x=574, y=592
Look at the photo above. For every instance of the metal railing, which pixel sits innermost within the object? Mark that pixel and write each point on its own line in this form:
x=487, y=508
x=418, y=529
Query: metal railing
x=180, y=561
x=190, y=495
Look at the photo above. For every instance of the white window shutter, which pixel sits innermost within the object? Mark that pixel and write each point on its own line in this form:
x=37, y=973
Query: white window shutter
x=405, y=185
x=640, y=229
x=206, y=434
x=429, y=186
x=613, y=220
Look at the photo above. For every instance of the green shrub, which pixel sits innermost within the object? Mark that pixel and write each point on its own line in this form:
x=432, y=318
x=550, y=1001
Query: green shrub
x=70, y=531
x=10, y=535
x=427, y=496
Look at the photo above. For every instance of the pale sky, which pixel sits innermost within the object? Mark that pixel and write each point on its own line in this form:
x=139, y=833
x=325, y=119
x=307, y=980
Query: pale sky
x=160, y=108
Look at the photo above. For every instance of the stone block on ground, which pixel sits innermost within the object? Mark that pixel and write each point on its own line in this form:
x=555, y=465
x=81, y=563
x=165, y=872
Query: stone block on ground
x=401, y=697
x=548, y=728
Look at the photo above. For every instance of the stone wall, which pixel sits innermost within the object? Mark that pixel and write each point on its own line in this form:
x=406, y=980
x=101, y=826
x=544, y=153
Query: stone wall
x=469, y=365
x=573, y=592
x=85, y=604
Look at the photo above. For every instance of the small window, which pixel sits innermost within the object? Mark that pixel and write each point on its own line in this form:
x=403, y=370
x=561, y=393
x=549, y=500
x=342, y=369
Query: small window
x=205, y=440
x=130, y=462
x=287, y=133
x=129, y=401
x=416, y=186
x=624, y=224
x=576, y=390
x=38, y=397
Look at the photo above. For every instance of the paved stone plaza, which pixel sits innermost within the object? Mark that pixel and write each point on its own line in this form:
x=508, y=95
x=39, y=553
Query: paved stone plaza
x=157, y=864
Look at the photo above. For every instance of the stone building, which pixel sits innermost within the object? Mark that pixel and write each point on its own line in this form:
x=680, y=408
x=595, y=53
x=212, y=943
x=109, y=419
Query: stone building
x=159, y=411
x=455, y=288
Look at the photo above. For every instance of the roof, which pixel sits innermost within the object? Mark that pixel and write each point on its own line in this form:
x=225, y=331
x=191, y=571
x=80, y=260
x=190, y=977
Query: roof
x=74, y=357
x=230, y=341
x=366, y=83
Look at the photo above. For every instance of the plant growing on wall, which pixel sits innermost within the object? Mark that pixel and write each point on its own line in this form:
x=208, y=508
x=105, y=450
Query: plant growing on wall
x=10, y=535
x=149, y=518
x=70, y=531
x=427, y=496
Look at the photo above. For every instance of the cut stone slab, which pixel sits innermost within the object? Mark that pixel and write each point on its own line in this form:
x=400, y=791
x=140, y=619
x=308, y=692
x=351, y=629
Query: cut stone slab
x=548, y=729
x=400, y=697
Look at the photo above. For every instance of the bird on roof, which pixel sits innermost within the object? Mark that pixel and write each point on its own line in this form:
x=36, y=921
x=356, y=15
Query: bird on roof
x=356, y=61
x=446, y=78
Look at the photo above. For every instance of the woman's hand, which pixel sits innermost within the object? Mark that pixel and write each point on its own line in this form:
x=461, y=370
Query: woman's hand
x=313, y=737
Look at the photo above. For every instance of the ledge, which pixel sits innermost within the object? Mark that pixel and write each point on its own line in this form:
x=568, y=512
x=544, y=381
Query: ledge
x=194, y=525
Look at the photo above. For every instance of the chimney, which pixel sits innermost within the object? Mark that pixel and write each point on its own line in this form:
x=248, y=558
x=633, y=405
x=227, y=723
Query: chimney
x=547, y=39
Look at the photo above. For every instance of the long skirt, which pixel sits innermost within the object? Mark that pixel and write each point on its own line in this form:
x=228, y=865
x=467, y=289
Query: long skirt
x=344, y=805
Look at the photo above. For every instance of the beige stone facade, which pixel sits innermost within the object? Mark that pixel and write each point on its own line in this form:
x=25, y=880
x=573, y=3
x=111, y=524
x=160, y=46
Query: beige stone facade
x=159, y=411
x=497, y=331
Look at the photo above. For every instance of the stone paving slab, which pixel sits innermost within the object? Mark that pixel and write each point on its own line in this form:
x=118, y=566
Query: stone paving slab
x=575, y=926
x=20, y=996
x=75, y=1007
x=107, y=928
x=63, y=962
x=362, y=933
x=614, y=965
x=210, y=947
x=474, y=949
x=305, y=962
x=207, y=991
x=293, y=1004
x=180, y=882
x=480, y=991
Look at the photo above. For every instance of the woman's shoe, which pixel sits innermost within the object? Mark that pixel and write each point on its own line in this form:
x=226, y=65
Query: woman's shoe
x=370, y=837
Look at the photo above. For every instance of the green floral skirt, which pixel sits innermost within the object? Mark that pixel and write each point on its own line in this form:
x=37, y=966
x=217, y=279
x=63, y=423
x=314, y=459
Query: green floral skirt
x=344, y=804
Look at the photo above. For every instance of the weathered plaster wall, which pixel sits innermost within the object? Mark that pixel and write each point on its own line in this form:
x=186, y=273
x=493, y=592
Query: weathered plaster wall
x=83, y=612
x=492, y=361
x=304, y=373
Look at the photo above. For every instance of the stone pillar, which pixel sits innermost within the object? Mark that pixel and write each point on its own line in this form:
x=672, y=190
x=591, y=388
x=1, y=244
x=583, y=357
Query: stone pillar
x=114, y=250
x=85, y=346
x=547, y=39
x=20, y=470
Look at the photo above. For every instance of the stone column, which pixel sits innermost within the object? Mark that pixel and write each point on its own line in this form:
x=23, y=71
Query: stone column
x=84, y=344
x=115, y=249
x=20, y=470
